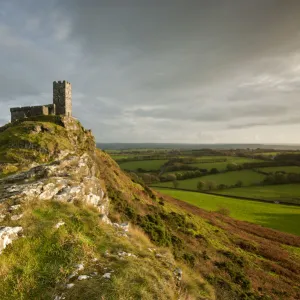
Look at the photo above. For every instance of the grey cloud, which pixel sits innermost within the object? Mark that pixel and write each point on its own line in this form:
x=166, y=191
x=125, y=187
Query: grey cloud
x=290, y=121
x=141, y=68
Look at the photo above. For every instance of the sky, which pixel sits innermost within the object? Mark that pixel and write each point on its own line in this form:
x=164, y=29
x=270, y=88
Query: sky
x=188, y=71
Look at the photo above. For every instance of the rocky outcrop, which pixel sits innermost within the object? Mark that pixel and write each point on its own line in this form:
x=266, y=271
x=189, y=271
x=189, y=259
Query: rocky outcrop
x=73, y=178
x=7, y=235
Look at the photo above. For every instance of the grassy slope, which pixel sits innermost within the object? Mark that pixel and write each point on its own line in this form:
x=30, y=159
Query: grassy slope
x=149, y=165
x=281, y=217
x=230, y=178
x=221, y=258
x=51, y=254
x=282, y=192
x=226, y=252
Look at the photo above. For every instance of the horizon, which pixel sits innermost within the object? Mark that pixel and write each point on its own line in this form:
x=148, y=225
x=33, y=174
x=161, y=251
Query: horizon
x=192, y=72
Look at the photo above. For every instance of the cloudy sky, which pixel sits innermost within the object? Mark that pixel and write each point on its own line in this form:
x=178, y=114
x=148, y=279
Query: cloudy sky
x=191, y=71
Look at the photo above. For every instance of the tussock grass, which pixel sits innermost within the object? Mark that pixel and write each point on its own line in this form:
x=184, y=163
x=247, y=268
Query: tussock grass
x=37, y=265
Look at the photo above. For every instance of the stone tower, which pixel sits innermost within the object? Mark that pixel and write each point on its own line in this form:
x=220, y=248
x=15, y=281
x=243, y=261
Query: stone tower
x=62, y=98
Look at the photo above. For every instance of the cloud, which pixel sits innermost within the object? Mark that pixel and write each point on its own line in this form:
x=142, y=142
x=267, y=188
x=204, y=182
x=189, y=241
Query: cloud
x=149, y=71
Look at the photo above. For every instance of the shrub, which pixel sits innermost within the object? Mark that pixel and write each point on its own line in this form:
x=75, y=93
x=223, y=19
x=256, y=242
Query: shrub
x=155, y=228
x=200, y=185
x=189, y=258
x=175, y=184
x=223, y=211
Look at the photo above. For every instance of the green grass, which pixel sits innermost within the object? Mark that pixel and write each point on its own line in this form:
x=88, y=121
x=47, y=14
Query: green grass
x=37, y=266
x=281, y=217
x=230, y=178
x=222, y=165
x=283, y=192
x=149, y=165
x=286, y=169
x=119, y=156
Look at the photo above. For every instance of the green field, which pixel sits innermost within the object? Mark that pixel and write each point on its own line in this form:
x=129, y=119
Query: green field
x=247, y=177
x=284, y=192
x=281, y=217
x=149, y=165
x=222, y=165
x=286, y=169
x=119, y=156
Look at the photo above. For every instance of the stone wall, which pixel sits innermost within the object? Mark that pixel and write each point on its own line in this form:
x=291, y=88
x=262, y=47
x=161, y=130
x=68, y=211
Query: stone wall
x=62, y=104
x=30, y=111
x=62, y=97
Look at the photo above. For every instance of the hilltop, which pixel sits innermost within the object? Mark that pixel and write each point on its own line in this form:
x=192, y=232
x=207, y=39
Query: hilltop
x=75, y=226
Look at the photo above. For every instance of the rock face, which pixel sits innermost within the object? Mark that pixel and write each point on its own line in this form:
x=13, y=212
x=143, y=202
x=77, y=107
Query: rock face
x=73, y=178
x=7, y=235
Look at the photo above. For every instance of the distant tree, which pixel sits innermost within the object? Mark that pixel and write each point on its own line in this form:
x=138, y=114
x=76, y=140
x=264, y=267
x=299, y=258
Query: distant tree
x=222, y=186
x=231, y=167
x=175, y=184
x=239, y=183
x=171, y=177
x=214, y=171
x=200, y=185
x=146, y=178
x=211, y=185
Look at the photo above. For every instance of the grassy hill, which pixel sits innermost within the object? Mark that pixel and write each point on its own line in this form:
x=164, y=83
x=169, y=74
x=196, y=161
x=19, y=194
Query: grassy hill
x=172, y=250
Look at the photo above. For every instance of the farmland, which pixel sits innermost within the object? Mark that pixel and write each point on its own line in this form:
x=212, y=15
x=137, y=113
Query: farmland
x=283, y=193
x=239, y=180
x=247, y=177
x=286, y=169
x=276, y=216
x=222, y=165
x=149, y=165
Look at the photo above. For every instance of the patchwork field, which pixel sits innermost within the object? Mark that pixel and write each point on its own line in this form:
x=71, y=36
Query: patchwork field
x=222, y=165
x=286, y=169
x=276, y=216
x=282, y=193
x=149, y=165
x=230, y=178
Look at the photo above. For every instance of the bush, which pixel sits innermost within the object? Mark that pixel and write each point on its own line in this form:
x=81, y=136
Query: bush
x=175, y=184
x=189, y=258
x=155, y=228
x=223, y=211
x=200, y=185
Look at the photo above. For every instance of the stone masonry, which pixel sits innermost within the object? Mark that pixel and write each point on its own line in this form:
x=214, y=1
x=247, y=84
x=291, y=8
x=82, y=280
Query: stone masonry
x=62, y=104
x=62, y=98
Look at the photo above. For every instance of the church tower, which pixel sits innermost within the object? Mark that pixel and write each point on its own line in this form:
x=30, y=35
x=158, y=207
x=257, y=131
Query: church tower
x=62, y=98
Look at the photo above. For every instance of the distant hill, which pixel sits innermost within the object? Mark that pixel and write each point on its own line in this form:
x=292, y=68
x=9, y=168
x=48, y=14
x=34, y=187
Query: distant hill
x=124, y=146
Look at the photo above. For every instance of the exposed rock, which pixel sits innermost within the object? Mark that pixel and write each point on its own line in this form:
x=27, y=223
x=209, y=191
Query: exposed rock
x=123, y=226
x=107, y=275
x=68, y=180
x=61, y=223
x=106, y=220
x=16, y=217
x=178, y=274
x=73, y=275
x=79, y=267
x=70, y=285
x=83, y=277
x=126, y=254
x=15, y=207
x=7, y=235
